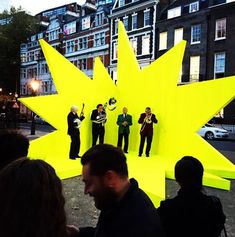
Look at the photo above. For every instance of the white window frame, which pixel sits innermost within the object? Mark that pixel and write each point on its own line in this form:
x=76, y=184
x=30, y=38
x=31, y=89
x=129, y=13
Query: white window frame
x=134, y=16
x=191, y=5
x=163, y=40
x=125, y=19
x=134, y=43
x=194, y=77
x=148, y=51
x=192, y=31
x=217, y=29
x=215, y=63
x=177, y=41
x=115, y=26
x=145, y=12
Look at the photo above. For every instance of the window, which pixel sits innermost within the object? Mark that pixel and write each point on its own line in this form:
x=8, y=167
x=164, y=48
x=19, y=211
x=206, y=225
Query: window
x=116, y=27
x=195, y=34
x=99, y=18
x=145, y=45
x=147, y=18
x=115, y=52
x=121, y=3
x=83, y=43
x=220, y=29
x=219, y=68
x=99, y=39
x=134, y=45
x=174, y=12
x=193, y=7
x=23, y=57
x=125, y=22
x=22, y=73
x=134, y=21
x=194, y=68
x=178, y=35
x=70, y=46
x=163, y=41
x=70, y=28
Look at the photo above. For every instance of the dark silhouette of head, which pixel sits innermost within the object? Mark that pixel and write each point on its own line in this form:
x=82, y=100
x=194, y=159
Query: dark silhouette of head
x=31, y=200
x=189, y=173
x=105, y=157
x=13, y=145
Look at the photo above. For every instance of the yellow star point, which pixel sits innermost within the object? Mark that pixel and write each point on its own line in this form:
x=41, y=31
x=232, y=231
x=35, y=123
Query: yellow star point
x=180, y=110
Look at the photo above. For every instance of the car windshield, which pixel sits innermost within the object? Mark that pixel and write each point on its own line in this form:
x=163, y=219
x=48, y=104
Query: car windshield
x=209, y=125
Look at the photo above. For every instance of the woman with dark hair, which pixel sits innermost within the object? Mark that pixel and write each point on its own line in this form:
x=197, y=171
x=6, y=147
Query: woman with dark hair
x=31, y=200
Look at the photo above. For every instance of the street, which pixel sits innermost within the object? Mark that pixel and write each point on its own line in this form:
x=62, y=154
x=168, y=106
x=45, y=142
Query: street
x=76, y=200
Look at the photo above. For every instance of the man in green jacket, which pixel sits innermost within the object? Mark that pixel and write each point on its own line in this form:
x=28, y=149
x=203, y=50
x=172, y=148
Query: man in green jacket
x=124, y=121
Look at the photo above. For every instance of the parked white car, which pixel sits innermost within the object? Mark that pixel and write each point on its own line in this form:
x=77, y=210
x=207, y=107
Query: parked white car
x=211, y=132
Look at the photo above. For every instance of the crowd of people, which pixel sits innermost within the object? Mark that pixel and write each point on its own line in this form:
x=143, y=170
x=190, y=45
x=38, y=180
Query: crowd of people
x=32, y=201
x=99, y=118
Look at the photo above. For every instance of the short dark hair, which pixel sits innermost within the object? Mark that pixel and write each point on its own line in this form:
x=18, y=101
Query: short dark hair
x=98, y=105
x=189, y=173
x=105, y=157
x=13, y=145
x=31, y=200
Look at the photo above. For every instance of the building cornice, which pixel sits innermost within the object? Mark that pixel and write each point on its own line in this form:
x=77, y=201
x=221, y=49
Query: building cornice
x=133, y=8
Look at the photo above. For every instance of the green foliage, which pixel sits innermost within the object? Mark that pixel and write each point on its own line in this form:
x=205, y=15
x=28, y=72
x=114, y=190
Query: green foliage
x=12, y=35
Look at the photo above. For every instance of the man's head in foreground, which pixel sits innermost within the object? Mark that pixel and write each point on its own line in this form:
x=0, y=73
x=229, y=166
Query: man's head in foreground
x=105, y=174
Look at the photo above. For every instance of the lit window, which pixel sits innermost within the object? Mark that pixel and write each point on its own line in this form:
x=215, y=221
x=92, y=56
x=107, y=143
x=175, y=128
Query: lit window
x=115, y=52
x=147, y=18
x=194, y=68
x=193, y=7
x=219, y=68
x=145, y=45
x=220, y=29
x=175, y=12
x=134, y=22
x=163, y=41
x=195, y=34
x=178, y=35
x=134, y=45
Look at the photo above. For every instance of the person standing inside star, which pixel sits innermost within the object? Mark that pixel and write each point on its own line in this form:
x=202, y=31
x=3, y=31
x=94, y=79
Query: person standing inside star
x=98, y=118
x=124, y=121
x=74, y=123
x=146, y=120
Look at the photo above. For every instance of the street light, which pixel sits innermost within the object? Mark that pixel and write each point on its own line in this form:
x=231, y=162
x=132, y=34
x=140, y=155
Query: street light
x=34, y=86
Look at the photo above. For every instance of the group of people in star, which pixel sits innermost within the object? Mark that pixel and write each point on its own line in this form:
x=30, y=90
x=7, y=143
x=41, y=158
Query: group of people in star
x=99, y=118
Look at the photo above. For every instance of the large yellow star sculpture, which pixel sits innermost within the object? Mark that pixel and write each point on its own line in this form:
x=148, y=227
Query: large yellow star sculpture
x=181, y=111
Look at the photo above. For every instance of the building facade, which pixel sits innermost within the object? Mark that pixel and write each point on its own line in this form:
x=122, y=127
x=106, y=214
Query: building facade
x=209, y=28
x=138, y=17
x=80, y=33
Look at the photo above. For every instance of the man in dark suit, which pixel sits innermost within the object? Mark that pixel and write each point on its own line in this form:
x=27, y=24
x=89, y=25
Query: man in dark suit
x=146, y=119
x=74, y=122
x=98, y=118
x=124, y=121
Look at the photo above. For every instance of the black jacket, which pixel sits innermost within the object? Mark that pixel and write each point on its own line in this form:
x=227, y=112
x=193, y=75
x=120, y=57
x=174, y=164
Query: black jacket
x=133, y=216
x=192, y=214
x=98, y=120
x=71, y=124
